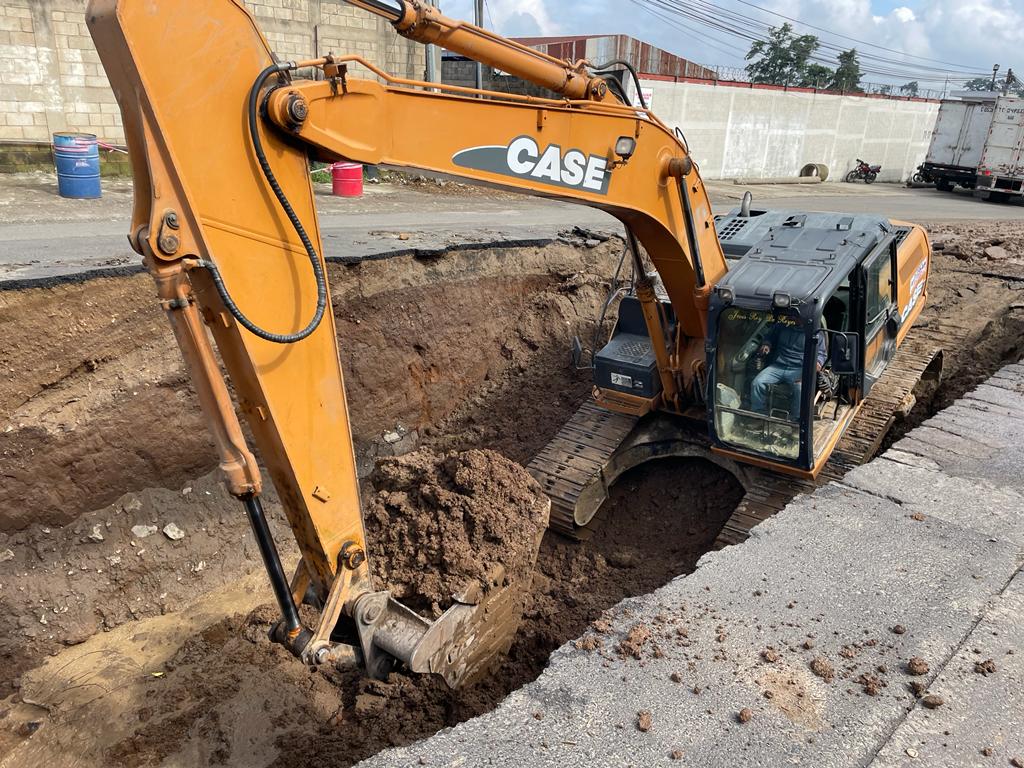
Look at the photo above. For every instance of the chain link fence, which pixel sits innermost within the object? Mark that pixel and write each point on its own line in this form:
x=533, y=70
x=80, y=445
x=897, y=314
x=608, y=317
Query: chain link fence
x=740, y=75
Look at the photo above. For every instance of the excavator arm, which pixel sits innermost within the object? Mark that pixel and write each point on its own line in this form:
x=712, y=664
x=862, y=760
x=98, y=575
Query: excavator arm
x=220, y=134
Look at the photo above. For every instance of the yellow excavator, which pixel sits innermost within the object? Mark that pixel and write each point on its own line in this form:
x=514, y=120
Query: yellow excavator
x=760, y=332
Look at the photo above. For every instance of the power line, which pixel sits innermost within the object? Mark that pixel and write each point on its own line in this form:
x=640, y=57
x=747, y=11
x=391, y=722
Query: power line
x=750, y=31
x=853, y=39
x=728, y=51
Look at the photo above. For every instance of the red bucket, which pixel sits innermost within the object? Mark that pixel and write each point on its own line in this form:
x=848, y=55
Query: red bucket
x=347, y=179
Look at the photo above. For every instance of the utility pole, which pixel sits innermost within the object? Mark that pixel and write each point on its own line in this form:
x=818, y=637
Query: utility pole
x=431, y=52
x=479, y=21
x=995, y=71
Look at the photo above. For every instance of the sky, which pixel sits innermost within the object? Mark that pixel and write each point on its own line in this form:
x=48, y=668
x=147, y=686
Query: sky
x=974, y=34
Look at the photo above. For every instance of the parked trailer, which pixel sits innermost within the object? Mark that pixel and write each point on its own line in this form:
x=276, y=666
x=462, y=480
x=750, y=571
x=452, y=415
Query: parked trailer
x=1001, y=171
x=958, y=139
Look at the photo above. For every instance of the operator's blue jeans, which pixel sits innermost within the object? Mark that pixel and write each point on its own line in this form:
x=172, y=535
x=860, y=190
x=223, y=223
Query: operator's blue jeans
x=775, y=374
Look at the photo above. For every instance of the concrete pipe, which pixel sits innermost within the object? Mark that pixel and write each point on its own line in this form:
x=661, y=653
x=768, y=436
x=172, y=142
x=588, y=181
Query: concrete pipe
x=817, y=170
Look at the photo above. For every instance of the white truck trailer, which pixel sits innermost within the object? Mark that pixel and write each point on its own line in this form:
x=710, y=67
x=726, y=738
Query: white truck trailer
x=958, y=139
x=1001, y=168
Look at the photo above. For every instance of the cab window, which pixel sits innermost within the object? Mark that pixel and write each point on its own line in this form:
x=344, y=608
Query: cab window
x=880, y=295
x=759, y=381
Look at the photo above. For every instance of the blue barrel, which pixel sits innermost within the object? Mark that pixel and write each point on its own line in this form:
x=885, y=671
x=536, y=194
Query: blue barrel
x=78, y=164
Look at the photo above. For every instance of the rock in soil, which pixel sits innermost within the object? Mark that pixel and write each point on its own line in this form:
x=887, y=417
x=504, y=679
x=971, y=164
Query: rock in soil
x=932, y=701
x=440, y=524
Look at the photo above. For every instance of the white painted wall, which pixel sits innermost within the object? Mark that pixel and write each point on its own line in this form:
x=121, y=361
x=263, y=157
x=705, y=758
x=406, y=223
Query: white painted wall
x=756, y=133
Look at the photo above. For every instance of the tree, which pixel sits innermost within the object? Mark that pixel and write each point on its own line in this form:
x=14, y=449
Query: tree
x=848, y=74
x=816, y=76
x=979, y=84
x=985, y=84
x=910, y=89
x=782, y=59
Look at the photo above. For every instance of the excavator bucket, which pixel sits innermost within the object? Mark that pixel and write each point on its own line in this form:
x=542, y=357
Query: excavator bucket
x=464, y=642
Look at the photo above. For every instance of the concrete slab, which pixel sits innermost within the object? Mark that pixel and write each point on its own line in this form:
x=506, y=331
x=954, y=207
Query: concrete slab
x=950, y=735
x=850, y=576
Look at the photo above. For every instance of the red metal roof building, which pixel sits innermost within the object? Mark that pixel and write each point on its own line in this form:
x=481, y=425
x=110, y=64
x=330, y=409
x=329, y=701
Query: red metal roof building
x=646, y=58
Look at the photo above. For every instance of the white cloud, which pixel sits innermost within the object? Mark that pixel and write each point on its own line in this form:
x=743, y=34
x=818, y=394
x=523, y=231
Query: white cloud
x=976, y=33
x=511, y=17
x=904, y=14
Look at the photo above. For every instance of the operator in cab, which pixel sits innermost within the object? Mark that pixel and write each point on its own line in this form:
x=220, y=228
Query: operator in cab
x=783, y=350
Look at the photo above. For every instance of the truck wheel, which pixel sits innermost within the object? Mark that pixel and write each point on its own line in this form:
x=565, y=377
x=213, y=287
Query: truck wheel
x=998, y=197
x=851, y=176
x=943, y=185
x=870, y=178
x=917, y=178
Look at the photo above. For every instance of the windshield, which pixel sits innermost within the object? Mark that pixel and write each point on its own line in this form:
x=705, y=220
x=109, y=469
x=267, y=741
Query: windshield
x=758, y=378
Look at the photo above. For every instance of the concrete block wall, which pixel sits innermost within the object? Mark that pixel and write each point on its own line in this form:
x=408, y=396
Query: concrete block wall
x=462, y=72
x=51, y=78
x=736, y=132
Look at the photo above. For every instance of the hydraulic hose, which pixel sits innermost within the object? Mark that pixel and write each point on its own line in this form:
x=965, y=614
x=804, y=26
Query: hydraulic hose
x=632, y=71
x=314, y=259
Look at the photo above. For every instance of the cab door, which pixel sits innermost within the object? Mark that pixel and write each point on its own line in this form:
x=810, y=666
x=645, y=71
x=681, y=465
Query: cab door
x=879, y=311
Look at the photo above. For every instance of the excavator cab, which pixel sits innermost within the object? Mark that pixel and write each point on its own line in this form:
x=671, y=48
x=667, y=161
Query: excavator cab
x=799, y=330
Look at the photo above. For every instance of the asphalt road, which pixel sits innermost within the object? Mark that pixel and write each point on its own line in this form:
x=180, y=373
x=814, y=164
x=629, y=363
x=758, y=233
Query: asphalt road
x=43, y=235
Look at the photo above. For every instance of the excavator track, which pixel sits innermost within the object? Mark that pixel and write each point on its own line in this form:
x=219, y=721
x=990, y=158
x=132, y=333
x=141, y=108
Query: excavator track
x=577, y=468
x=770, y=492
x=567, y=467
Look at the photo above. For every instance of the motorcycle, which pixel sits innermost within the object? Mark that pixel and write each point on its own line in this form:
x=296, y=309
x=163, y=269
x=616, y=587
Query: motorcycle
x=921, y=176
x=864, y=171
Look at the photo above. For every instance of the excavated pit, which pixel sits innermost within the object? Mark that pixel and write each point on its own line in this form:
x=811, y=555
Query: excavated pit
x=159, y=647
x=104, y=444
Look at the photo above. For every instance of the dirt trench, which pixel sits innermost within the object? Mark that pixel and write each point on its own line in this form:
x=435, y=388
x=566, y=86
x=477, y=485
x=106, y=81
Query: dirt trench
x=465, y=351
x=159, y=646
x=91, y=382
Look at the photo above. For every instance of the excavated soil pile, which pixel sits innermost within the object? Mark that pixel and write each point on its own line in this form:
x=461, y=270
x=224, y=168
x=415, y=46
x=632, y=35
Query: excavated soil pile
x=439, y=523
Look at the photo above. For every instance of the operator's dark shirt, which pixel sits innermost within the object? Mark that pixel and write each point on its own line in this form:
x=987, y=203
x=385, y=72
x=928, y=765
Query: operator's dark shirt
x=786, y=346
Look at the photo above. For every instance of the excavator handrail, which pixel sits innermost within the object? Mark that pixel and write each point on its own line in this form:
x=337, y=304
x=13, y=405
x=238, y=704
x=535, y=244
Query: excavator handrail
x=599, y=107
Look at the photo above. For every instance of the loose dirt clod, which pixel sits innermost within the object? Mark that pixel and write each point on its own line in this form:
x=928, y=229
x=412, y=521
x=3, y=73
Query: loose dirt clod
x=675, y=754
x=823, y=669
x=871, y=684
x=442, y=524
x=987, y=667
x=899, y=629
x=932, y=701
x=770, y=655
x=632, y=644
x=918, y=688
x=644, y=720
x=917, y=666
x=745, y=715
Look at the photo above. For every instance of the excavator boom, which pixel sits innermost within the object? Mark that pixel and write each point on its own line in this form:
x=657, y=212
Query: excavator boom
x=219, y=135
